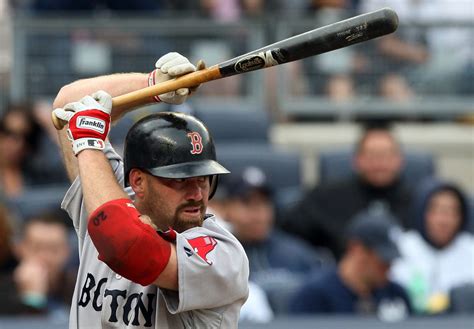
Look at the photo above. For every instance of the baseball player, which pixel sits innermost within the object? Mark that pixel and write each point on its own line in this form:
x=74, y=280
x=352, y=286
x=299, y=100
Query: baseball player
x=150, y=255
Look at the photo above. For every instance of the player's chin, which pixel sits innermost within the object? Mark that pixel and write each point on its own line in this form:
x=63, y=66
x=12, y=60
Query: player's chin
x=190, y=218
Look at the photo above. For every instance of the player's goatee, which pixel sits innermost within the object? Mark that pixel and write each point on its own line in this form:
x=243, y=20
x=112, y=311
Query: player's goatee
x=181, y=224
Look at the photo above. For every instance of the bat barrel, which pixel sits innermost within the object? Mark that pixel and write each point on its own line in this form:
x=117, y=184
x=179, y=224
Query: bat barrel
x=321, y=40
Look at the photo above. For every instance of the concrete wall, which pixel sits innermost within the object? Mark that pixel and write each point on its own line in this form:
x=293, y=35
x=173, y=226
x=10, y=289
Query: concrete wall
x=451, y=144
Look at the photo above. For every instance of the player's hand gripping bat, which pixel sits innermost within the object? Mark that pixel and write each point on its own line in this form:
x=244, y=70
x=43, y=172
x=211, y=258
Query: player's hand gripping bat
x=321, y=40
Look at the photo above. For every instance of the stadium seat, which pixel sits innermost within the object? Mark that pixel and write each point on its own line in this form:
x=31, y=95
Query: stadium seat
x=471, y=215
x=336, y=165
x=283, y=168
x=37, y=199
x=230, y=125
x=462, y=299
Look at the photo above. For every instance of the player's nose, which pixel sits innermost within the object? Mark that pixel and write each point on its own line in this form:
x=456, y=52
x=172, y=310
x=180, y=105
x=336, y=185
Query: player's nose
x=194, y=190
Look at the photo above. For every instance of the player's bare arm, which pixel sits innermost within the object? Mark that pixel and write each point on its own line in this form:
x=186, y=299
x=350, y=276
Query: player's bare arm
x=115, y=227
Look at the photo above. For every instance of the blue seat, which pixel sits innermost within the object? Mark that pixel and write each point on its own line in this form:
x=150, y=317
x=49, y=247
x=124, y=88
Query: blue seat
x=336, y=165
x=37, y=199
x=231, y=125
x=282, y=167
x=471, y=215
x=462, y=299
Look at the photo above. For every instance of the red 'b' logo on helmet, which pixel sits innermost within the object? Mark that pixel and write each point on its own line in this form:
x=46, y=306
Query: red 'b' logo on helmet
x=196, y=142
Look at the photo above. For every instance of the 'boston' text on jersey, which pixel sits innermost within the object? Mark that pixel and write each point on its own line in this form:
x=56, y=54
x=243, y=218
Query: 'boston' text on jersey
x=136, y=303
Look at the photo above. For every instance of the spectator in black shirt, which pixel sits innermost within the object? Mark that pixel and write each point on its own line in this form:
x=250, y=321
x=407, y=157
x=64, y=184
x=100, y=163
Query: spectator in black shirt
x=321, y=216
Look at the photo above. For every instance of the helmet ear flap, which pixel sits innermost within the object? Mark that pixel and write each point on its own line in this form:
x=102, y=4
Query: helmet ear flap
x=213, y=180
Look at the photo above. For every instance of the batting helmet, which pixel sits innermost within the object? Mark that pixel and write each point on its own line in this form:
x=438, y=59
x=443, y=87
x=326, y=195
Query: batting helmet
x=172, y=145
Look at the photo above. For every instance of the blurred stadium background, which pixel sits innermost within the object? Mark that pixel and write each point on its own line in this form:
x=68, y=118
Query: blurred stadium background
x=303, y=109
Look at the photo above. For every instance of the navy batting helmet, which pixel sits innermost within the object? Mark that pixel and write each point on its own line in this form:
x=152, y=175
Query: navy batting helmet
x=172, y=145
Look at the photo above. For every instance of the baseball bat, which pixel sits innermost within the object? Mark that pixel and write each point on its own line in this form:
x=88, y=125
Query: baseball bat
x=321, y=40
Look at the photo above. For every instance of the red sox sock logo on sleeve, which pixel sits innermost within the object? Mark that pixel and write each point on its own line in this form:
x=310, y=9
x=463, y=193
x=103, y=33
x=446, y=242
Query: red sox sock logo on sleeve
x=202, y=246
x=196, y=142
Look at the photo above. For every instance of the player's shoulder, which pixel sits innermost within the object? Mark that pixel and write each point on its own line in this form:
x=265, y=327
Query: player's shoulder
x=212, y=227
x=215, y=224
x=211, y=220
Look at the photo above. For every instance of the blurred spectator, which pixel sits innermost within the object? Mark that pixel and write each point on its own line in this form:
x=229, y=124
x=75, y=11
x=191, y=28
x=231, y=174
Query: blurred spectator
x=336, y=69
x=6, y=48
x=425, y=56
x=394, y=56
x=82, y=5
x=278, y=261
x=256, y=308
x=360, y=284
x=47, y=157
x=439, y=254
x=323, y=213
x=451, y=60
x=20, y=136
x=42, y=277
x=295, y=9
x=12, y=303
x=232, y=10
x=7, y=259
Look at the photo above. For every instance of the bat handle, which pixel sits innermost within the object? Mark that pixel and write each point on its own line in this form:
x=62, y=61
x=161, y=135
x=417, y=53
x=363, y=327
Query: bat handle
x=135, y=97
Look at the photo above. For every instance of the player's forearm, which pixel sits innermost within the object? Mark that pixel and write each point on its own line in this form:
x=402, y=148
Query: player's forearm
x=69, y=160
x=115, y=84
x=99, y=184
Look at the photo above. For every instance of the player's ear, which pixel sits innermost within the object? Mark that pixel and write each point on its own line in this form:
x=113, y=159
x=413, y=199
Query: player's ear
x=137, y=181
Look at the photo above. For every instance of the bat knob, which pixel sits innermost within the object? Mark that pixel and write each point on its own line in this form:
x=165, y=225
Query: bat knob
x=58, y=123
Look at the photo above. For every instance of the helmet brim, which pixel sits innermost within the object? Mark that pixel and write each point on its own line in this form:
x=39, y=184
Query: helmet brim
x=189, y=169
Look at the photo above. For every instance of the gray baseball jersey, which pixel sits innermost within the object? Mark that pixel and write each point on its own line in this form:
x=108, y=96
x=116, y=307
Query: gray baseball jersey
x=212, y=277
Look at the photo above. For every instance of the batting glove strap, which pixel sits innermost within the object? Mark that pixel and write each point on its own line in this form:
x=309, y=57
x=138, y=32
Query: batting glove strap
x=87, y=144
x=152, y=82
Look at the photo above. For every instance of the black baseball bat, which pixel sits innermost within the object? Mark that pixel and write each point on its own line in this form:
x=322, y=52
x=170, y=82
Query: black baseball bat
x=321, y=40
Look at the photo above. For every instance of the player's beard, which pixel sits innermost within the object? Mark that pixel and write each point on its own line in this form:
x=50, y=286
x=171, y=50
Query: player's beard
x=164, y=217
x=180, y=223
x=165, y=214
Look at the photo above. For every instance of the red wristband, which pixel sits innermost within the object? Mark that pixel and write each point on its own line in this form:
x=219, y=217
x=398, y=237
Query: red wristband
x=152, y=82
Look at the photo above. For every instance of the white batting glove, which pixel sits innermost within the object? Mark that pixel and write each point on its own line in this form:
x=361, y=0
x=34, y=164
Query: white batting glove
x=170, y=66
x=89, y=121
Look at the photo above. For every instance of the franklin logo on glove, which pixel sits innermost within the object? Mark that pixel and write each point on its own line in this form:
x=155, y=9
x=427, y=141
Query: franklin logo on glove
x=91, y=123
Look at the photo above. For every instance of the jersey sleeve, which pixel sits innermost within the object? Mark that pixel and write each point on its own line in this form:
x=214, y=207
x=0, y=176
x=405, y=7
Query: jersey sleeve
x=73, y=203
x=213, y=270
